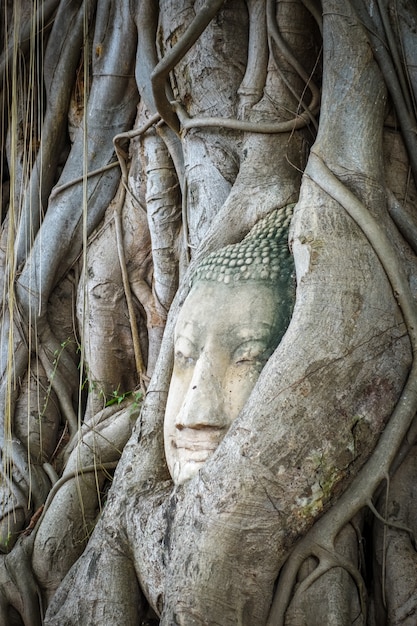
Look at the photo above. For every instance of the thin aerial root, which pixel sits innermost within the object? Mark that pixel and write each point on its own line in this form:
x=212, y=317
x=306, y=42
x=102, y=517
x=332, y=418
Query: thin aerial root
x=384, y=547
x=140, y=365
x=81, y=179
x=393, y=48
x=405, y=224
x=131, y=134
x=297, y=122
x=122, y=158
x=50, y=472
x=74, y=474
x=389, y=523
x=277, y=38
x=407, y=118
x=178, y=51
x=332, y=560
x=59, y=385
x=43, y=19
x=286, y=583
x=328, y=559
x=184, y=213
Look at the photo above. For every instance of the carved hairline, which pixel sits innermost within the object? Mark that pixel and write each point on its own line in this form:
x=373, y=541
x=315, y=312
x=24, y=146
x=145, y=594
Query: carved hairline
x=263, y=255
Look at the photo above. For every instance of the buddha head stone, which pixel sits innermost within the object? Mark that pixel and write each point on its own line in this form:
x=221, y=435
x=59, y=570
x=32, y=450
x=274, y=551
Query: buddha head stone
x=235, y=315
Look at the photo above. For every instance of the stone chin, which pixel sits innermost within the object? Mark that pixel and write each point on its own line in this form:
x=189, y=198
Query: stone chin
x=190, y=455
x=184, y=470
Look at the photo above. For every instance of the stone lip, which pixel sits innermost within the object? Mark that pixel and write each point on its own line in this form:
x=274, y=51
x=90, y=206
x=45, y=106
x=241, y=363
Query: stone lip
x=198, y=440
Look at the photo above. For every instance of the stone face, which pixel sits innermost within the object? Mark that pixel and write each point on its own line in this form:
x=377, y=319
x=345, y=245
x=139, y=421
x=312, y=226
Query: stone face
x=233, y=319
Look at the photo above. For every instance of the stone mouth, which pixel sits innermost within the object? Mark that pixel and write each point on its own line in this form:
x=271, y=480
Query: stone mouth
x=193, y=445
x=198, y=440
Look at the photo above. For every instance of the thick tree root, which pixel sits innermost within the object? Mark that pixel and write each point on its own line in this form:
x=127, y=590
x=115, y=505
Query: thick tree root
x=320, y=540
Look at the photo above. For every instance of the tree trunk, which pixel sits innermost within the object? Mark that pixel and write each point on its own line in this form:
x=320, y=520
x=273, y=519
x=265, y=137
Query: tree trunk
x=242, y=108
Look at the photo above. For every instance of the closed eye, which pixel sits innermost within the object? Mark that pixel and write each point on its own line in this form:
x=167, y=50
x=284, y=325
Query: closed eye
x=186, y=352
x=251, y=352
x=183, y=360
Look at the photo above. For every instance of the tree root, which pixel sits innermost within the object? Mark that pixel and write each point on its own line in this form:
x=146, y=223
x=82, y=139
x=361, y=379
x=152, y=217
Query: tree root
x=117, y=214
x=396, y=525
x=140, y=364
x=321, y=537
x=391, y=74
x=251, y=88
x=169, y=61
x=80, y=179
x=19, y=588
x=299, y=121
x=327, y=560
x=147, y=22
x=111, y=465
x=43, y=15
x=315, y=10
x=63, y=54
x=62, y=390
x=276, y=37
x=404, y=223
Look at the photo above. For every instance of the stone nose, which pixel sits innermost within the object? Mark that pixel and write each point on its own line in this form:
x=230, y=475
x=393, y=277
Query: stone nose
x=203, y=403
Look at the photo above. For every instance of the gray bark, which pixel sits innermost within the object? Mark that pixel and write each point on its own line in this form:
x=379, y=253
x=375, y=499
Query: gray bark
x=227, y=129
